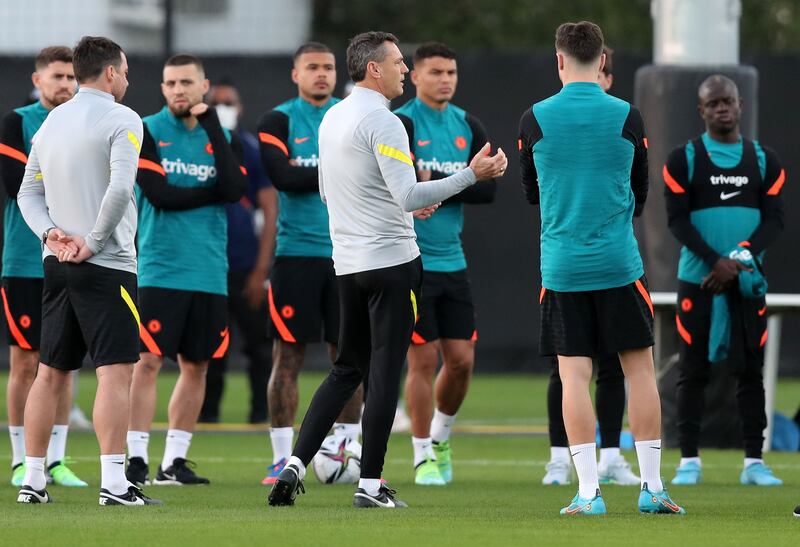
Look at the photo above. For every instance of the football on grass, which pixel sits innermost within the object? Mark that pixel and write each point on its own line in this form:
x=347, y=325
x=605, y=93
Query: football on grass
x=338, y=461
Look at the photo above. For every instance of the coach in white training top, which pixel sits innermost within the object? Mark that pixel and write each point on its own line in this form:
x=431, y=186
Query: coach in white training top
x=368, y=180
x=77, y=195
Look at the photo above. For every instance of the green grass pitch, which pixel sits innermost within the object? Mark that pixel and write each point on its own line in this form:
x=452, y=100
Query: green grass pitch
x=496, y=499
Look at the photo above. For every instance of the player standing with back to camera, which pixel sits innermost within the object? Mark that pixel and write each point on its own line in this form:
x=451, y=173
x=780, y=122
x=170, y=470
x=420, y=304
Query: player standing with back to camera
x=54, y=79
x=724, y=201
x=583, y=158
x=77, y=193
x=609, y=395
x=443, y=138
x=368, y=180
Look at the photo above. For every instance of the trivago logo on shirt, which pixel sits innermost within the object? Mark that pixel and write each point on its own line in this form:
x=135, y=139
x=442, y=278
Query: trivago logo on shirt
x=201, y=172
x=733, y=180
x=446, y=167
x=311, y=161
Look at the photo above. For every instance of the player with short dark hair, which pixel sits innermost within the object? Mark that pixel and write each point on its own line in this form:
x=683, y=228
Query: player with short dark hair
x=303, y=297
x=594, y=297
x=609, y=396
x=443, y=139
x=87, y=233
x=189, y=168
x=54, y=80
x=725, y=205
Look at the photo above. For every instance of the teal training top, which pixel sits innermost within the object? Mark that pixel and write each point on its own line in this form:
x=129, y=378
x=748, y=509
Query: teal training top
x=183, y=250
x=583, y=144
x=442, y=144
x=22, y=249
x=722, y=227
x=303, y=226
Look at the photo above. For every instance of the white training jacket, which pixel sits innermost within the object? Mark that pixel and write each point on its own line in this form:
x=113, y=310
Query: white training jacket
x=80, y=176
x=368, y=181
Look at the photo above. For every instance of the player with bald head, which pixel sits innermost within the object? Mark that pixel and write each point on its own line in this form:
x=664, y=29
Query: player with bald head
x=725, y=206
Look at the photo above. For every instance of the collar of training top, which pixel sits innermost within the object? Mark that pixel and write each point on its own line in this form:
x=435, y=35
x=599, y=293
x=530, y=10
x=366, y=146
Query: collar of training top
x=366, y=93
x=93, y=91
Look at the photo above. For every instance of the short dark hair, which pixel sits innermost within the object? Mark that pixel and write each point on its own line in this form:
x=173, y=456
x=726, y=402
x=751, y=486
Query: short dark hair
x=183, y=59
x=583, y=41
x=52, y=54
x=608, y=68
x=366, y=47
x=433, y=49
x=310, y=47
x=92, y=55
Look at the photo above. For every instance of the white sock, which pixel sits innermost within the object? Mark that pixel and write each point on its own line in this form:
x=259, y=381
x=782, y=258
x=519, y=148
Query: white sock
x=17, y=435
x=584, y=457
x=281, y=438
x=370, y=486
x=295, y=461
x=423, y=450
x=649, y=453
x=177, y=446
x=560, y=453
x=348, y=431
x=58, y=444
x=750, y=461
x=440, y=426
x=112, y=469
x=608, y=455
x=695, y=459
x=34, y=473
x=138, y=441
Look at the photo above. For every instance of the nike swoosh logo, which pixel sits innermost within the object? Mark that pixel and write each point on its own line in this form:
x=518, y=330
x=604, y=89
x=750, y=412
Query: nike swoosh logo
x=301, y=140
x=656, y=447
x=389, y=503
x=573, y=511
x=671, y=506
x=762, y=311
x=723, y=196
x=423, y=143
x=162, y=144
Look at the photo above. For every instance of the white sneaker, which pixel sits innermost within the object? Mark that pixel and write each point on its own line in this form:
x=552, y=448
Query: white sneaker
x=78, y=420
x=618, y=471
x=558, y=472
x=402, y=423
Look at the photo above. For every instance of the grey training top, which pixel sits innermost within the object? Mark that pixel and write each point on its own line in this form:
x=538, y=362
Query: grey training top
x=80, y=176
x=368, y=180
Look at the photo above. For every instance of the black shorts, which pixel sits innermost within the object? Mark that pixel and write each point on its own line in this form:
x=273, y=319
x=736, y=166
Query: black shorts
x=445, y=308
x=594, y=323
x=191, y=324
x=304, y=300
x=22, y=302
x=748, y=330
x=88, y=307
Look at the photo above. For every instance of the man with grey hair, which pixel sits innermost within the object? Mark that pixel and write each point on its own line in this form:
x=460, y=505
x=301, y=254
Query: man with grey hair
x=368, y=180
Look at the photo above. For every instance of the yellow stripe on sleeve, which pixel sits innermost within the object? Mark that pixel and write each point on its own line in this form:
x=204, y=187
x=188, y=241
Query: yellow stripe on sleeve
x=134, y=141
x=394, y=153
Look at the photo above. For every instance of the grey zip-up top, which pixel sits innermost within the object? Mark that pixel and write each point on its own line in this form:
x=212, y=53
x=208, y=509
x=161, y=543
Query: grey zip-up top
x=80, y=176
x=367, y=179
